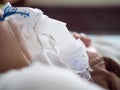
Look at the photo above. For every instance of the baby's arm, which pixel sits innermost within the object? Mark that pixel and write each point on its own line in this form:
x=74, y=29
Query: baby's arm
x=11, y=55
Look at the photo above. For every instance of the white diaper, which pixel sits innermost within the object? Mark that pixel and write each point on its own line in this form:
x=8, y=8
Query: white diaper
x=49, y=39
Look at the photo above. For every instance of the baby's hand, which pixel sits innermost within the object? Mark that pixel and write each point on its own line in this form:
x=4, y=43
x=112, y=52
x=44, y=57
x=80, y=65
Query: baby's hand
x=91, y=50
x=86, y=40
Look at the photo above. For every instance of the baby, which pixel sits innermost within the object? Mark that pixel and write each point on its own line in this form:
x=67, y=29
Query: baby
x=102, y=71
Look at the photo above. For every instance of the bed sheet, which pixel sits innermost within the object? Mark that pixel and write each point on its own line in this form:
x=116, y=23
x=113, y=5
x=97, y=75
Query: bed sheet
x=107, y=45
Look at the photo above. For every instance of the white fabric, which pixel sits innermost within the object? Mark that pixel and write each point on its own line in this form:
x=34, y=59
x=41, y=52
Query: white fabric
x=107, y=45
x=41, y=77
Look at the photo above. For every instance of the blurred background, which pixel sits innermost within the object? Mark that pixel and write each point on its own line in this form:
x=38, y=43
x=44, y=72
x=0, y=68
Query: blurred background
x=88, y=16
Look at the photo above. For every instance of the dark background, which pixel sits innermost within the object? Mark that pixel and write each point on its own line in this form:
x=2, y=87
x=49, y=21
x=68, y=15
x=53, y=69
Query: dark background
x=90, y=20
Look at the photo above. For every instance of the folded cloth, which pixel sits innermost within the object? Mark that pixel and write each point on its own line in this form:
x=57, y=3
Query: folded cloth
x=106, y=73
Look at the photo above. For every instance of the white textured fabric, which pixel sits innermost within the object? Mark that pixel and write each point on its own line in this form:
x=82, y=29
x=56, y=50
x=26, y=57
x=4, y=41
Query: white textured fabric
x=41, y=77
